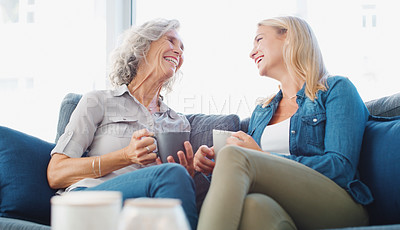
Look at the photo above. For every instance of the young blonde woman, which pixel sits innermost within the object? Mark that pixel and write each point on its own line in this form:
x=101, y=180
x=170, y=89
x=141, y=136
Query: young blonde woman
x=297, y=166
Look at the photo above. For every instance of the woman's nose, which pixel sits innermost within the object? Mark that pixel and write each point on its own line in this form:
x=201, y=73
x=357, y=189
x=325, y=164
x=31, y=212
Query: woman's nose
x=253, y=53
x=178, y=51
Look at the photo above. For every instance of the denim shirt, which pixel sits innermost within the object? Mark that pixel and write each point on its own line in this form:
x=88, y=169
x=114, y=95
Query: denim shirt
x=325, y=134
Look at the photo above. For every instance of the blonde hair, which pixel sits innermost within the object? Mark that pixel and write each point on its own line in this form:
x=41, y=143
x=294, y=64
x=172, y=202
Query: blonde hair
x=301, y=52
x=136, y=42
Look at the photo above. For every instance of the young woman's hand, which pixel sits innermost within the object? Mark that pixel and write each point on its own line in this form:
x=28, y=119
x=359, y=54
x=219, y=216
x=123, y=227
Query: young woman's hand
x=141, y=147
x=244, y=140
x=202, y=160
x=185, y=160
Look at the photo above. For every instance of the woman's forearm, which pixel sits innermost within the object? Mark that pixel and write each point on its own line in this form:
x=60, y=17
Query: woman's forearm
x=64, y=171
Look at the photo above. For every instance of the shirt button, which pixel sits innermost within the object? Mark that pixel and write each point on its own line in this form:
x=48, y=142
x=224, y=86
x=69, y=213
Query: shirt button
x=315, y=120
x=293, y=132
x=69, y=133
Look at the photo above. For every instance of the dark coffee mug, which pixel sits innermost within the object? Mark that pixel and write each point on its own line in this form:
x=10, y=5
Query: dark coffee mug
x=169, y=143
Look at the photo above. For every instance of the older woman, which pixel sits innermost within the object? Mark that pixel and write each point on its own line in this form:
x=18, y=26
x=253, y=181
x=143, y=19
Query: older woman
x=297, y=166
x=115, y=126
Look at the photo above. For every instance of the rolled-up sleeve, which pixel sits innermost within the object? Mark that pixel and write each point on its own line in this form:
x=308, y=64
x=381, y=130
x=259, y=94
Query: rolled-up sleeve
x=79, y=132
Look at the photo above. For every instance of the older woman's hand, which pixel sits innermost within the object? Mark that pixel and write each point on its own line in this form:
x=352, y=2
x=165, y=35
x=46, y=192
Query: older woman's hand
x=244, y=140
x=202, y=160
x=185, y=161
x=141, y=147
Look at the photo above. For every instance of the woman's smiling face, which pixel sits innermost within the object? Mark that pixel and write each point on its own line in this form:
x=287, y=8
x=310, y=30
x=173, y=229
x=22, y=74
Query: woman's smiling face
x=267, y=52
x=166, y=54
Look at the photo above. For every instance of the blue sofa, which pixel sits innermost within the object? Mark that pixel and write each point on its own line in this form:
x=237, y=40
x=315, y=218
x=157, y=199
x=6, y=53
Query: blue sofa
x=25, y=194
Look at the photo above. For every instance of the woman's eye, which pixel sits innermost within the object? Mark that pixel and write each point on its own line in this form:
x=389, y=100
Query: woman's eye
x=259, y=39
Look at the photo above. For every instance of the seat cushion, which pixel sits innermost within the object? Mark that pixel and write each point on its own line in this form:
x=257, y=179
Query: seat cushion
x=380, y=168
x=24, y=190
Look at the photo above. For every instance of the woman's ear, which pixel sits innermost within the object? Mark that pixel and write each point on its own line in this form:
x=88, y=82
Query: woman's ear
x=282, y=34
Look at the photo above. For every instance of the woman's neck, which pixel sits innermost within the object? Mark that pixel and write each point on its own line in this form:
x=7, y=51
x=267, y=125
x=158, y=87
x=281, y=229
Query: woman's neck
x=290, y=87
x=145, y=89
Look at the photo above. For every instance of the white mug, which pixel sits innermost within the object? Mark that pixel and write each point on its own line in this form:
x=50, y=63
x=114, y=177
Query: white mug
x=153, y=214
x=219, y=139
x=85, y=210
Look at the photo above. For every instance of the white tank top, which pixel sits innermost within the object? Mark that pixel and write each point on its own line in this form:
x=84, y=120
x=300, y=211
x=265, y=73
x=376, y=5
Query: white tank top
x=275, y=138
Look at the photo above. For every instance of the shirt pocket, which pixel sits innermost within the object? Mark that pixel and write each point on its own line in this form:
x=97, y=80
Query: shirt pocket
x=314, y=129
x=120, y=127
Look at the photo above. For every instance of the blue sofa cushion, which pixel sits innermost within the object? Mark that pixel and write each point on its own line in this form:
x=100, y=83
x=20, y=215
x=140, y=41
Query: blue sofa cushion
x=202, y=126
x=380, y=168
x=24, y=190
x=68, y=105
x=201, y=134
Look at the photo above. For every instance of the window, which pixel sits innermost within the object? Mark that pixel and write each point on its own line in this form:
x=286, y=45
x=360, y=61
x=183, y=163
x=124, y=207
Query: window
x=53, y=47
x=358, y=39
x=369, y=15
x=48, y=49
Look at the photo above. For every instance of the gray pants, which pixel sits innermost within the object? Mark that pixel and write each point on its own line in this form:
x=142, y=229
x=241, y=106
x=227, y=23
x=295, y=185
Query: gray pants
x=255, y=190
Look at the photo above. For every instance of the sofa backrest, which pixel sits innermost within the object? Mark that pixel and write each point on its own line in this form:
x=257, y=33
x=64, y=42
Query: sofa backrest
x=386, y=106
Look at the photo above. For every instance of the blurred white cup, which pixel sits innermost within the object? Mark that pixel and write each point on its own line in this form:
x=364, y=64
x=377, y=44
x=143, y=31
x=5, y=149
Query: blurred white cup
x=153, y=214
x=83, y=210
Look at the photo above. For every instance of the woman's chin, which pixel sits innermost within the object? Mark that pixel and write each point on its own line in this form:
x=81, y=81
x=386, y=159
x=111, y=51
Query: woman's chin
x=168, y=74
x=262, y=73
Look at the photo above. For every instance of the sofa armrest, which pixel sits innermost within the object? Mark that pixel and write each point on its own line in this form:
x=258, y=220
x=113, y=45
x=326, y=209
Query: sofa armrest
x=379, y=168
x=24, y=190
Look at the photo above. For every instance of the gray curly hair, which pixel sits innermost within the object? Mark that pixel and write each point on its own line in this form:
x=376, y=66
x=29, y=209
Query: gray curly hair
x=134, y=47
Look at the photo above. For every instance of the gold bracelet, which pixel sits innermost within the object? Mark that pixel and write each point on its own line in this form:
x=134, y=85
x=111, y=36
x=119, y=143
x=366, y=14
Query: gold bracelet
x=99, y=166
x=94, y=171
